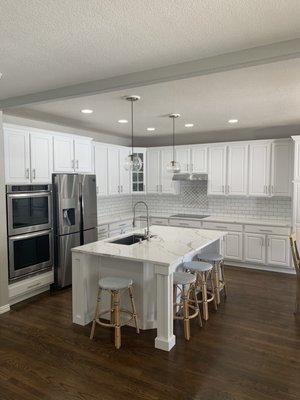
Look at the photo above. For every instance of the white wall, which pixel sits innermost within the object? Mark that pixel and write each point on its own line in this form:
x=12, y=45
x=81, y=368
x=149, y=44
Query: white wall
x=3, y=237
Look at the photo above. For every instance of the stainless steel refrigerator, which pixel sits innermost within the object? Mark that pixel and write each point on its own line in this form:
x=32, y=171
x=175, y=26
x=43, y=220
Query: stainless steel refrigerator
x=75, y=220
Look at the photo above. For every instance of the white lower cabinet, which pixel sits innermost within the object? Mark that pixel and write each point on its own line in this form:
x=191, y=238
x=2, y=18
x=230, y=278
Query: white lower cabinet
x=278, y=250
x=232, y=248
x=255, y=248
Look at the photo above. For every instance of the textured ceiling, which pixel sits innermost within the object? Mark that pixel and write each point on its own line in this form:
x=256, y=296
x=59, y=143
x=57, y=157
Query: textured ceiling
x=261, y=96
x=48, y=44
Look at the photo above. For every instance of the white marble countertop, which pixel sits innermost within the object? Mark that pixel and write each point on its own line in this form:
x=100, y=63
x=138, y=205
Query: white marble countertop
x=169, y=245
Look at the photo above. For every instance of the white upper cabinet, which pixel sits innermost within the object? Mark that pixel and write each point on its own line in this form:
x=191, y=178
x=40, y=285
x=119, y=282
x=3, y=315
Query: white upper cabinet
x=63, y=154
x=217, y=170
x=281, y=168
x=113, y=171
x=125, y=176
x=28, y=156
x=259, y=168
x=72, y=154
x=101, y=161
x=167, y=184
x=17, y=156
x=83, y=150
x=237, y=169
x=198, y=159
x=183, y=157
x=41, y=157
x=153, y=170
x=138, y=178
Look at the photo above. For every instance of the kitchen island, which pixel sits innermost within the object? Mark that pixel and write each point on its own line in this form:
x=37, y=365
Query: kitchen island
x=150, y=263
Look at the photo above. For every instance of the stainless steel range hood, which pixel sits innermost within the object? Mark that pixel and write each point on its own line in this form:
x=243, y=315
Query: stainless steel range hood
x=185, y=176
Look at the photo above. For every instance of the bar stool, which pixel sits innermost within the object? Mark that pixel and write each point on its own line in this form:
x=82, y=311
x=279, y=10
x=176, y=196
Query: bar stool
x=203, y=271
x=115, y=286
x=185, y=282
x=216, y=260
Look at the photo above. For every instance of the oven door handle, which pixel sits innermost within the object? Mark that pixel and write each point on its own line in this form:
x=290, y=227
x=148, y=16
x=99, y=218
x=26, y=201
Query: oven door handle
x=30, y=235
x=28, y=195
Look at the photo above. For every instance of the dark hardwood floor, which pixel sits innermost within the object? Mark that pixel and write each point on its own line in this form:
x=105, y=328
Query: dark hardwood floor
x=249, y=349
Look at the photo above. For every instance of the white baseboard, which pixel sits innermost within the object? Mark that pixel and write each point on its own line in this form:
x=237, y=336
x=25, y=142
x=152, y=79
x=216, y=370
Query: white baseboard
x=269, y=268
x=4, y=309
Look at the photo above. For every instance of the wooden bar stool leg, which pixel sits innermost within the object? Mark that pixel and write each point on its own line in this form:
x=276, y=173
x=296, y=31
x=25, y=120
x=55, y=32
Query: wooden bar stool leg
x=112, y=310
x=116, y=296
x=204, y=296
x=133, y=309
x=197, y=305
x=96, y=314
x=213, y=290
x=216, y=280
x=223, y=278
x=185, y=304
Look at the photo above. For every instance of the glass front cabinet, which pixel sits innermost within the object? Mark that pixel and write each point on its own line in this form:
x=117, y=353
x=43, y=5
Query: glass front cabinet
x=139, y=178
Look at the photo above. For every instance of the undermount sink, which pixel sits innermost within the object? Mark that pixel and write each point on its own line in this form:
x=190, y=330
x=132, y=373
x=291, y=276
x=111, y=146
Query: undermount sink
x=129, y=240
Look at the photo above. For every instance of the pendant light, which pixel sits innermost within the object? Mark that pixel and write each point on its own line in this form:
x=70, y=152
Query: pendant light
x=173, y=165
x=133, y=161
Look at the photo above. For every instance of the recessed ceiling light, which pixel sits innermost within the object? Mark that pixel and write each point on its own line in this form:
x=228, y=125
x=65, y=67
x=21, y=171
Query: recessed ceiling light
x=189, y=125
x=233, y=121
x=123, y=121
x=150, y=129
x=87, y=111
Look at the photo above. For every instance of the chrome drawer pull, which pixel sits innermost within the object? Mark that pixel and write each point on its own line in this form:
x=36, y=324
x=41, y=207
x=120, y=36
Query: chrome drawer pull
x=221, y=227
x=265, y=230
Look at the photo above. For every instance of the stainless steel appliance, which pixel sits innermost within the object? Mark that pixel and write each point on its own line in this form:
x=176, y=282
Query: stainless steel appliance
x=186, y=176
x=75, y=220
x=29, y=227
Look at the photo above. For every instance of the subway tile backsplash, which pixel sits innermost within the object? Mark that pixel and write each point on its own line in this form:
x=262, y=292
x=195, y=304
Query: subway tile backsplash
x=193, y=199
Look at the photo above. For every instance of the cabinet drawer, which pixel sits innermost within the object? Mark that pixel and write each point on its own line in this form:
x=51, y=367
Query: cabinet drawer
x=120, y=225
x=222, y=226
x=159, y=221
x=268, y=230
x=185, y=223
x=30, y=284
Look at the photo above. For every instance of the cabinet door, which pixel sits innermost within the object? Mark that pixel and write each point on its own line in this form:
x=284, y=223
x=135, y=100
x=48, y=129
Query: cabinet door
x=101, y=169
x=255, y=248
x=278, y=250
x=153, y=170
x=17, y=163
x=125, y=176
x=281, y=168
x=138, y=179
x=183, y=157
x=217, y=170
x=237, y=170
x=113, y=171
x=259, y=169
x=41, y=157
x=167, y=185
x=199, y=159
x=83, y=150
x=63, y=154
x=233, y=246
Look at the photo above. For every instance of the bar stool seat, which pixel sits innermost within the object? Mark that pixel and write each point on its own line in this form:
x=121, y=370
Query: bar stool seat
x=215, y=257
x=185, y=282
x=183, y=278
x=200, y=266
x=115, y=283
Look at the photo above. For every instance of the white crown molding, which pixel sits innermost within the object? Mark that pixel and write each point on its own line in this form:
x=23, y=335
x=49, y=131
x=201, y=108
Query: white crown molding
x=224, y=62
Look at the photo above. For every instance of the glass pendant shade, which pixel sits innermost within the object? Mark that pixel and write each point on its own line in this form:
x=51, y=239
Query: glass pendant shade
x=173, y=167
x=133, y=163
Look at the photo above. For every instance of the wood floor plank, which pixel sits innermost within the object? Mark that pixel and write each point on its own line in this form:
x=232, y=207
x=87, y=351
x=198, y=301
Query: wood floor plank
x=248, y=350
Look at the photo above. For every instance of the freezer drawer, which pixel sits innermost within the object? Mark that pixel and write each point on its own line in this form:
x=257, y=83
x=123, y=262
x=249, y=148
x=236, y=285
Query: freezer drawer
x=63, y=258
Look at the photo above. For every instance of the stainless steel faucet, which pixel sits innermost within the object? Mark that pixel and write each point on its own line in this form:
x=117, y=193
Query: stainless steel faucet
x=147, y=209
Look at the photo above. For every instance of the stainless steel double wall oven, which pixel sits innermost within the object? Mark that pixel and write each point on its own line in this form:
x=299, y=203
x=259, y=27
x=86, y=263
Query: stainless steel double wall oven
x=29, y=226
